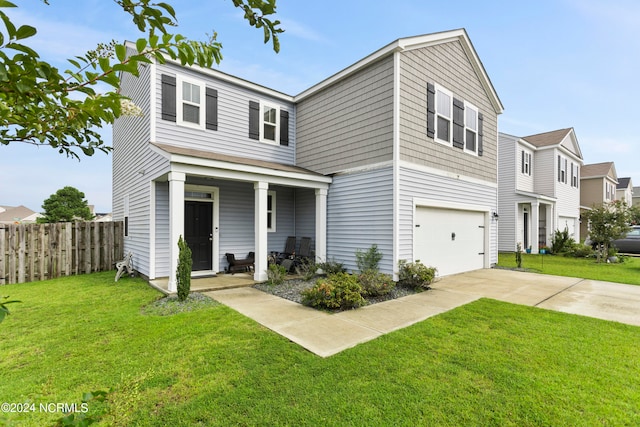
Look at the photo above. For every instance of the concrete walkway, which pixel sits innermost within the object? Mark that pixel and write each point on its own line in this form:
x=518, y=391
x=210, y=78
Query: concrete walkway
x=327, y=334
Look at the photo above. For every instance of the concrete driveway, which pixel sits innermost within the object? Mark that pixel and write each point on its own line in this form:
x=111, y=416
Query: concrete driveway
x=326, y=334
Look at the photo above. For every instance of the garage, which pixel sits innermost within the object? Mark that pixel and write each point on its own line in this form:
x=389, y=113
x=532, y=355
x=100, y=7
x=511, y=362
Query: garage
x=452, y=240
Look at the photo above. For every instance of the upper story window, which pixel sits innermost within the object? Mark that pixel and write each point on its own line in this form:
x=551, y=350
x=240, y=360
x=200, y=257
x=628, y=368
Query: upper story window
x=471, y=128
x=270, y=123
x=190, y=111
x=444, y=109
x=562, y=169
x=575, y=176
x=527, y=162
x=610, y=191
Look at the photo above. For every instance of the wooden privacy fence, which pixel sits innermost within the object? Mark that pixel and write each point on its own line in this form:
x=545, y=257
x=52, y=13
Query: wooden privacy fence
x=31, y=252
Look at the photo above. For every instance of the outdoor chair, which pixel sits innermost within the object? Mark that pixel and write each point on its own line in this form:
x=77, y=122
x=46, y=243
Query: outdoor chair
x=240, y=265
x=289, y=250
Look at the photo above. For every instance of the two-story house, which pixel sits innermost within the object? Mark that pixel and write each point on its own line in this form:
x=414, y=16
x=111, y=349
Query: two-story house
x=538, y=181
x=398, y=150
x=598, y=184
x=624, y=190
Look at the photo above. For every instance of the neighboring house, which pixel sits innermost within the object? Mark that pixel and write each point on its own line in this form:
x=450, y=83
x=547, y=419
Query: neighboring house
x=17, y=215
x=636, y=196
x=624, y=190
x=597, y=186
x=538, y=182
x=398, y=150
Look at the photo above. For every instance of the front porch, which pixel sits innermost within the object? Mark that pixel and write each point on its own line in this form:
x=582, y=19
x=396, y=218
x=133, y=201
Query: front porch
x=209, y=283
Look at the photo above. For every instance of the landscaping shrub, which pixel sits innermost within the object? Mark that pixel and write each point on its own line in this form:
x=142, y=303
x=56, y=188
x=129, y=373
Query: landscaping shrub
x=331, y=267
x=183, y=272
x=375, y=284
x=306, y=268
x=369, y=260
x=578, y=250
x=276, y=274
x=338, y=291
x=415, y=275
x=562, y=241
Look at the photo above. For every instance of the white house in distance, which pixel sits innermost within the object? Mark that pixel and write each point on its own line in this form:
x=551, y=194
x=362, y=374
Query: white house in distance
x=398, y=149
x=538, y=185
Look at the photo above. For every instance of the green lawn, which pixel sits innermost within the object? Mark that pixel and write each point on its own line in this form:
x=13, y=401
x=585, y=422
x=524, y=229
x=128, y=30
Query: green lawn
x=486, y=363
x=585, y=268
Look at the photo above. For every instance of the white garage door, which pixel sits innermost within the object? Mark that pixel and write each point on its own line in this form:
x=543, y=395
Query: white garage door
x=449, y=239
x=569, y=223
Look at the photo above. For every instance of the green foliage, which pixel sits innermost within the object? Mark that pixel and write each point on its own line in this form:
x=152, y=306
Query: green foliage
x=183, y=272
x=375, y=284
x=331, y=267
x=368, y=260
x=579, y=250
x=562, y=241
x=81, y=418
x=66, y=205
x=519, y=255
x=41, y=105
x=307, y=268
x=607, y=222
x=634, y=214
x=4, y=311
x=340, y=291
x=276, y=274
x=415, y=275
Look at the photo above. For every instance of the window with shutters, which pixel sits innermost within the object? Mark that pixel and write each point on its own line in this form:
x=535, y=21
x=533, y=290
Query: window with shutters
x=562, y=170
x=190, y=108
x=444, y=113
x=471, y=128
x=574, y=175
x=526, y=160
x=269, y=126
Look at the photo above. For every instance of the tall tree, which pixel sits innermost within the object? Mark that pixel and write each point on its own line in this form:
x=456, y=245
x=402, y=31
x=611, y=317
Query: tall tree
x=40, y=105
x=66, y=205
x=607, y=222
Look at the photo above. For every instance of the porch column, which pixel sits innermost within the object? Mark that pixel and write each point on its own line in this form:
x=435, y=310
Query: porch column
x=260, y=273
x=321, y=224
x=535, y=226
x=176, y=223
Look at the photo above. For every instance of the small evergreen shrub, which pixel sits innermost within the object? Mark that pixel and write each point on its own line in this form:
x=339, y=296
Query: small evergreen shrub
x=183, y=272
x=331, y=266
x=375, y=284
x=519, y=255
x=306, y=268
x=562, y=241
x=340, y=291
x=276, y=274
x=368, y=260
x=415, y=275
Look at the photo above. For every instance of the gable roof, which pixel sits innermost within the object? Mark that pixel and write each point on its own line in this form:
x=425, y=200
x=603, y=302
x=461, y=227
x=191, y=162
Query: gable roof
x=18, y=213
x=599, y=170
x=623, y=183
x=555, y=138
x=417, y=42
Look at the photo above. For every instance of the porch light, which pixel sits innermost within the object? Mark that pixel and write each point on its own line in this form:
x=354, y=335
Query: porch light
x=495, y=215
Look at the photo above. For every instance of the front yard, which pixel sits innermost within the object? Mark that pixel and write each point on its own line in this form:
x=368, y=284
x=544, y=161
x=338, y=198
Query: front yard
x=585, y=268
x=486, y=363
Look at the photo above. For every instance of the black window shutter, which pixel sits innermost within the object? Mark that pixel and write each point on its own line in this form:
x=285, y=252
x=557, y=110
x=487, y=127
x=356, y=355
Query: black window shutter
x=522, y=161
x=458, y=123
x=559, y=171
x=254, y=120
x=284, y=127
x=431, y=110
x=212, y=109
x=480, y=123
x=168, y=98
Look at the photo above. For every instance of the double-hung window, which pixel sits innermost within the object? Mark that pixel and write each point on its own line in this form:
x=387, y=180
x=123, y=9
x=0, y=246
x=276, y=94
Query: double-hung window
x=471, y=128
x=574, y=175
x=271, y=211
x=526, y=163
x=190, y=103
x=444, y=108
x=562, y=169
x=269, y=129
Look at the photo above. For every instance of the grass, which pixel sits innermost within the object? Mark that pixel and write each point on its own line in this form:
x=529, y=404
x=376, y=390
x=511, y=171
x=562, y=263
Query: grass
x=486, y=363
x=584, y=268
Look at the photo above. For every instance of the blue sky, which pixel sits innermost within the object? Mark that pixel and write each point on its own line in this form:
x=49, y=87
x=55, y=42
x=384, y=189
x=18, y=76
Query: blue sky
x=554, y=64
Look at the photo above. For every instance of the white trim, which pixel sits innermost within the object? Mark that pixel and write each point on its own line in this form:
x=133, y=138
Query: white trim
x=153, y=80
x=276, y=131
x=469, y=106
x=152, y=229
x=448, y=93
x=396, y=164
x=180, y=79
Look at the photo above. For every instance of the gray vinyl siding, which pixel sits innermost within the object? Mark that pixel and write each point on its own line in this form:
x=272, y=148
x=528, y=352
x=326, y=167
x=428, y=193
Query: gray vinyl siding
x=162, y=229
x=446, y=65
x=508, y=168
x=348, y=124
x=360, y=214
x=133, y=166
x=232, y=136
x=415, y=183
x=305, y=205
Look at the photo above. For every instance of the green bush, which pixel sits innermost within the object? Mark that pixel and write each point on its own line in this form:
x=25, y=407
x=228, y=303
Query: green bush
x=183, y=272
x=579, y=250
x=369, y=260
x=375, y=284
x=562, y=241
x=276, y=274
x=415, y=275
x=306, y=268
x=331, y=267
x=338, y=291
